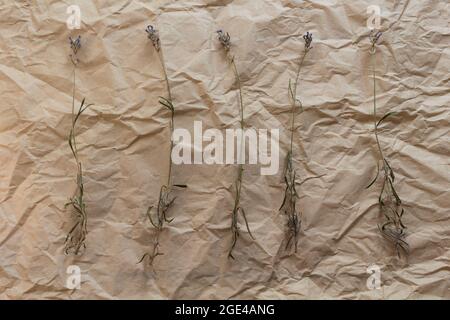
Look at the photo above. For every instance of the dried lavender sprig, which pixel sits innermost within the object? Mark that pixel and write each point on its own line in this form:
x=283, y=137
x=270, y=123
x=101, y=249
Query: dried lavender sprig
x=165, y=200
x=290, y=175
x=75, y=45
x=75, y=240
x=225, y=39
x=389, y=201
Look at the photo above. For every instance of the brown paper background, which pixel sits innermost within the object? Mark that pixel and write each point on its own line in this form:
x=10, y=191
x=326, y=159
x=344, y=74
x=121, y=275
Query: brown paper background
x=123, y=146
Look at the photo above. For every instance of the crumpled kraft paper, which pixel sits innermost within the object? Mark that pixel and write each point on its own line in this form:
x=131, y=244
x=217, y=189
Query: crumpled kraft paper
x=123, y=147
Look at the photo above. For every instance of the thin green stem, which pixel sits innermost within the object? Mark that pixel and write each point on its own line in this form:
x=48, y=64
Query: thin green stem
x=242, y=124
x=73, y=93
x=373, y=51
x=75, y=153
x=169, y=95
x=238, y=80
x=294, y=96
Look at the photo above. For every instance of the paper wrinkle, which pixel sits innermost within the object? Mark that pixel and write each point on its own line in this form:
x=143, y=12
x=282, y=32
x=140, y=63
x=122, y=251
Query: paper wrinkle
x=123, y=145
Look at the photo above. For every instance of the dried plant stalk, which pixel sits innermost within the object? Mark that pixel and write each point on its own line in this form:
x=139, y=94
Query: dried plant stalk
x=289, y=203
x=165, y=200
x=75, y=240
x=390, y=203
x=224, y=39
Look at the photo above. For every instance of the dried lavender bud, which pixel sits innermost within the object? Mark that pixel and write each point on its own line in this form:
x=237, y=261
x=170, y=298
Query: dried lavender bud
x=75, y=45
x=224, y=39
x=153, y=35
x=308, y=40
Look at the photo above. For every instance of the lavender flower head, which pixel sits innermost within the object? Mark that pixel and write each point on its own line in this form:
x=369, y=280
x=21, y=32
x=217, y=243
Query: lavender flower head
x=153, y=35
x=308, y=40
x=224, y=39
x=75, y=45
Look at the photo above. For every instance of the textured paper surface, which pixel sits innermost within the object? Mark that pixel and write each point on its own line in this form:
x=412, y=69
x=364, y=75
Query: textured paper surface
x=123, y=147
